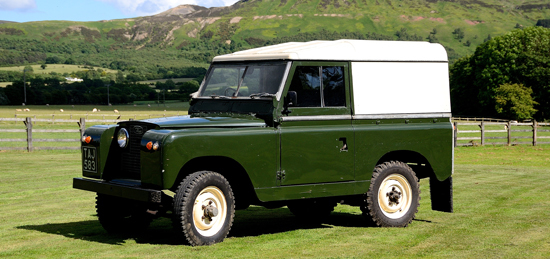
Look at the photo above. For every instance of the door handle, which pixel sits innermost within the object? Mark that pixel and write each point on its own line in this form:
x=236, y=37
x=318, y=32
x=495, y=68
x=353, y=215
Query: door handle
x=344, y=145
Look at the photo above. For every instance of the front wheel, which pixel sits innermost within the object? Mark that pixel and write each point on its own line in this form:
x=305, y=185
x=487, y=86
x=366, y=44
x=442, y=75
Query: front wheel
x=204, y=208
x=394, y=195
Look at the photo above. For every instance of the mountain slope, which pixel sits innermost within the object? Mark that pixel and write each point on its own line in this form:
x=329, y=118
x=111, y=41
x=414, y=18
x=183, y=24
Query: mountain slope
x=190, y=35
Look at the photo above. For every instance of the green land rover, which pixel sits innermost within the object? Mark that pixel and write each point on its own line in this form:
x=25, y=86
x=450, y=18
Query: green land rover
x=305, y=125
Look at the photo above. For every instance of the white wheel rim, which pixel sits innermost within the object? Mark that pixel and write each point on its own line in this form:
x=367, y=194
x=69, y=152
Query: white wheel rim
x=213, y=196
x=398, y=205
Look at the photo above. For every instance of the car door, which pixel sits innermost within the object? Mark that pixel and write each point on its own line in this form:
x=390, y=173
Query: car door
x=316, y=132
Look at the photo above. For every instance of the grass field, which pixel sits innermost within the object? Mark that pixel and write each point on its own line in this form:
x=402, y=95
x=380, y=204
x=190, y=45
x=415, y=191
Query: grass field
x=58, y=68
x=500, y=198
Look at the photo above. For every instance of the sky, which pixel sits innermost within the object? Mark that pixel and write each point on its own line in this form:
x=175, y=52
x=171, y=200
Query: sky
x=91, y=10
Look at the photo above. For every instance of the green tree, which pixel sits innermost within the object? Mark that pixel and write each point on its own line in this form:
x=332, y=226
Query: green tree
x=190, y=87
x=28, y=69
x=169, y=84
x=43, y=66
x=514, y=101
x=119, y=77
x=521, y=56
x=459, y=34
x=134, y=77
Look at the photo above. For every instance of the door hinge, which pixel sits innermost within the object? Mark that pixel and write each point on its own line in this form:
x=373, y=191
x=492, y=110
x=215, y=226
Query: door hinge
x=281, y=175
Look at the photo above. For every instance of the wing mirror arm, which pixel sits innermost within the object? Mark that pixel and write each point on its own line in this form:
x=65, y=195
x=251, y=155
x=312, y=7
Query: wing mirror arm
x=291, y=100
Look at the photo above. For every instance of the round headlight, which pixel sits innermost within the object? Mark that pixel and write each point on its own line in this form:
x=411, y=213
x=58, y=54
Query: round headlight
x=122, y=138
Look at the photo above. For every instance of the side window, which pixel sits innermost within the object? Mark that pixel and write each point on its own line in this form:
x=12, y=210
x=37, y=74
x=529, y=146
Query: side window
x=307, y=85
x=334, y=90
x=319, y=86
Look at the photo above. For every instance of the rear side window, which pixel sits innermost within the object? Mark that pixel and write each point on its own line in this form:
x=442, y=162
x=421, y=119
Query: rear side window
x=319, y=86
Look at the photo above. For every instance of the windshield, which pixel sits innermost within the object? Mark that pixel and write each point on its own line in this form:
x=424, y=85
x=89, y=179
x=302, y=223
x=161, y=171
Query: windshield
x=251, y=79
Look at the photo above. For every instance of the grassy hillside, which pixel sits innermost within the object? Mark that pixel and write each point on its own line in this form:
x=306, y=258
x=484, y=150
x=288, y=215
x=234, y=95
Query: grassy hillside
x=179, y=40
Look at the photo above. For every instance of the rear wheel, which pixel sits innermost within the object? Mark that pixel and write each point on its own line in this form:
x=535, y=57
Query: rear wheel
x=119, y=215
x=394, y=195
x=204, y=208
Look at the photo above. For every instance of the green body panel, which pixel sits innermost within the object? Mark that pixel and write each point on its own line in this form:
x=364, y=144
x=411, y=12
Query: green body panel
x=295, y=192
x=255, y=149
x=432, y=140
x=151, y=160
x=102, y=138
x=179, y=122
x=314, y=152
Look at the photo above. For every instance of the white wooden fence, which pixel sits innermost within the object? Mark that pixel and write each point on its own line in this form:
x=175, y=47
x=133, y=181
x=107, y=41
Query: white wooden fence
x=507, y=127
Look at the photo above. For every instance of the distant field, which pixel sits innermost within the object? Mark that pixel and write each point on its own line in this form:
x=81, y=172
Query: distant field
x=176, y=80
x=140, y=110
x=58, y=68
x=4, y=84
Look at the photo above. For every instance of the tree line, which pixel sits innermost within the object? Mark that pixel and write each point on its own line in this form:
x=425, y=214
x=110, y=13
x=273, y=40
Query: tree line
x=40, y=91
x=507, y=77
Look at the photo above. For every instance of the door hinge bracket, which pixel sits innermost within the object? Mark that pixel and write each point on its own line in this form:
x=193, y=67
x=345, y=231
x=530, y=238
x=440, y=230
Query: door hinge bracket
x=281, y=175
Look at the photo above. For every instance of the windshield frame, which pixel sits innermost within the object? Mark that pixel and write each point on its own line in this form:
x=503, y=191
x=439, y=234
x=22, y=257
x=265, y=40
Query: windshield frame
x=277, y=95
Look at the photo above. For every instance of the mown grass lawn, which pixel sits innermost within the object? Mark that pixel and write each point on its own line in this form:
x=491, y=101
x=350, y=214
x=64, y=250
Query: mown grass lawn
x=501, y=202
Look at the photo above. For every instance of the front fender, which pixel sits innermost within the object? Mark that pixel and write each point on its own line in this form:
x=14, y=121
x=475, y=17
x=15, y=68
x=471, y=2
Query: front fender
x=255, y=149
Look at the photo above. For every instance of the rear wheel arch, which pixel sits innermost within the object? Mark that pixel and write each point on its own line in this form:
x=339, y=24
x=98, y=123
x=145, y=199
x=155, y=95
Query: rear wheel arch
x=232, y=170
x=418, y=163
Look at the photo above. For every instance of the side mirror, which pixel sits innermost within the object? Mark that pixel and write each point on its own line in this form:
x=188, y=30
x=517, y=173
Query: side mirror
x=291, y=99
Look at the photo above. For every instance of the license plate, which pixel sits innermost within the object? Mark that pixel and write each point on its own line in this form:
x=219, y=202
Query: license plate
x=89, y=159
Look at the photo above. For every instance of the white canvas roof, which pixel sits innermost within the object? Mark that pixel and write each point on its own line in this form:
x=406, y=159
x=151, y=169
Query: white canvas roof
x=344, y=50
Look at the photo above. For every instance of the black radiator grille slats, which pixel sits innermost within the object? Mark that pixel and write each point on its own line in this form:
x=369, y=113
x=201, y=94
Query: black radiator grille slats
x=131, y=164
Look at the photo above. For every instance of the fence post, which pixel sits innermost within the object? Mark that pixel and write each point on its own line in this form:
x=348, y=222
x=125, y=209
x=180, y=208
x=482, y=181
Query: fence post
x=455, y=135
x=509, y=133
x=28, y=124
x=82, y=125
x=534, y=132
x=482, y=133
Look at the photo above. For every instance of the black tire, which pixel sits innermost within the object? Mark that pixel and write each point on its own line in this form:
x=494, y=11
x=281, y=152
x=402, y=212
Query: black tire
x=393, y=197
x=311, y=211
x=119, y=215
x=198, y=193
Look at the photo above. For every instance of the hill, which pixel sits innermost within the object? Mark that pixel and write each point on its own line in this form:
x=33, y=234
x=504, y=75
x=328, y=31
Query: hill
x=191, y=35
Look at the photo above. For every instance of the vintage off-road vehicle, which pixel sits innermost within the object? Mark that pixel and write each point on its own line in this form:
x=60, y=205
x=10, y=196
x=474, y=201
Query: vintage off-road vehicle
x=305, y=125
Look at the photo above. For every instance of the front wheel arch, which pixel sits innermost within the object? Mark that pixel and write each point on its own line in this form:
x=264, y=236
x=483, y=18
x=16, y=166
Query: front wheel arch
x=233, y=171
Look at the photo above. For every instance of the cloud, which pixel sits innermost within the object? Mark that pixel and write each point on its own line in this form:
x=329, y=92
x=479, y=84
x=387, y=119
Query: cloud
x=18, y=5
x=149, y=7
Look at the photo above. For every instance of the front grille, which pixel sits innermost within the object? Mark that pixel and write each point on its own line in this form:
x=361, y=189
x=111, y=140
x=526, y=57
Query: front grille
x=130, y=158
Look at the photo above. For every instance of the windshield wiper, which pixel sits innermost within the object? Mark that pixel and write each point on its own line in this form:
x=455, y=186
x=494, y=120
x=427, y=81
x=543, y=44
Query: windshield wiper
x=240, y=82
x=262, y=95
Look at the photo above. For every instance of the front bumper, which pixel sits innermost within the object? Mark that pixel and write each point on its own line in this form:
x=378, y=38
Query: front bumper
x=123, y=189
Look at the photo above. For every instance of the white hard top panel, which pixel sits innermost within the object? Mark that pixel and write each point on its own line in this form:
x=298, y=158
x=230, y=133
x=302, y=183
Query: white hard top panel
x=344, y=50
